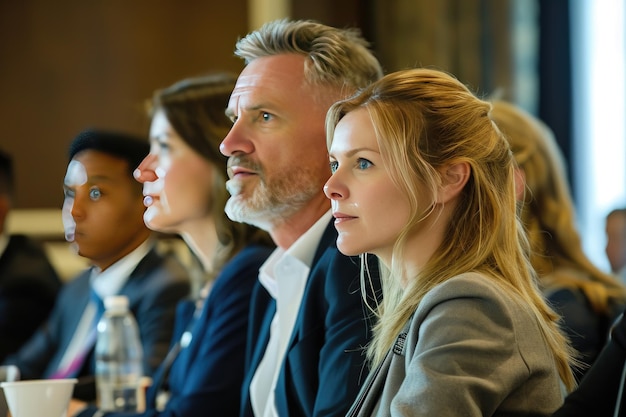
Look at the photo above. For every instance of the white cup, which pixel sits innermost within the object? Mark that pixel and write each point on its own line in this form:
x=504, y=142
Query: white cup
x=38, y=397
x=8, y=373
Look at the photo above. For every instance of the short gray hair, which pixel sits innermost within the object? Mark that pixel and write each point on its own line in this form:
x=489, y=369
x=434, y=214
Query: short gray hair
x=336, y=57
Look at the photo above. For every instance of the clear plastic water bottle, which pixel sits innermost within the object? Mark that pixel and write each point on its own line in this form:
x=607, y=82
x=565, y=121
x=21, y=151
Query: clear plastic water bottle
x=119, y=357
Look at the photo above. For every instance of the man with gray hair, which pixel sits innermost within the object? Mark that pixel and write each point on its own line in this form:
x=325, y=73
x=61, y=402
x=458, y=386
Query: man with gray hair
x=308, y=322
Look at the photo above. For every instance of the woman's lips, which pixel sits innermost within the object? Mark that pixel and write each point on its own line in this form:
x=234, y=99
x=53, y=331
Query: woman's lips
x=342, y=217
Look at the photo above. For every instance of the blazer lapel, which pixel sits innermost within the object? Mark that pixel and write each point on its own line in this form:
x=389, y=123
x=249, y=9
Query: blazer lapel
x=264, y=335
x=328, y=240
x=372, y=389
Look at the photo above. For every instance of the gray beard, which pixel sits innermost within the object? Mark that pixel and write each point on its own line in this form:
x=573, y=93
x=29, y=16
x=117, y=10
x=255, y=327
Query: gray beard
x=266, y=208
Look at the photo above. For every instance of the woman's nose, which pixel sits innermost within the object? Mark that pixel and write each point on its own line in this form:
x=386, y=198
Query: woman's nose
x=145, y=172
x=333, y=188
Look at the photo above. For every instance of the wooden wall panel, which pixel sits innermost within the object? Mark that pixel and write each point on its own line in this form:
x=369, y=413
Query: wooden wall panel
x=69, y=65
x=92, y=63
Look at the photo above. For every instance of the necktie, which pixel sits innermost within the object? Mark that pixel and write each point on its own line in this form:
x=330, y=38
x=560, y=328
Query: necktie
x=73, y=368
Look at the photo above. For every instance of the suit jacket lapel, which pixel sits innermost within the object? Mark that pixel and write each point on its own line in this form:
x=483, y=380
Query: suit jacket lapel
x=328, y=239
x=264, y=335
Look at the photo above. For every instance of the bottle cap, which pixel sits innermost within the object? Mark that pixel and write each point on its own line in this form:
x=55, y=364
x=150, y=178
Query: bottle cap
x=116, y=303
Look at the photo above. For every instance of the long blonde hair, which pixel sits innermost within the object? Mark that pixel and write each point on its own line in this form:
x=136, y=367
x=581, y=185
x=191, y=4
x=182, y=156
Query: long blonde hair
x=425, y=119
x=548, y=214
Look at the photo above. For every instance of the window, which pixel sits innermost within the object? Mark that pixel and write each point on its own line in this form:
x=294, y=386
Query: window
x=599, y=105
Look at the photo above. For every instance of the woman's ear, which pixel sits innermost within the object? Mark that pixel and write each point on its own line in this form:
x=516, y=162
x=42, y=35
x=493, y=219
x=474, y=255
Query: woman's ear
x=520, y=184
x=454, y=177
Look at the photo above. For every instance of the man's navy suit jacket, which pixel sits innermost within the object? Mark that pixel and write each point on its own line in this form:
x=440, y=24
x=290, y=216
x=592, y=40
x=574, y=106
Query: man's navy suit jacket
x=325, y=362
x=154, y=288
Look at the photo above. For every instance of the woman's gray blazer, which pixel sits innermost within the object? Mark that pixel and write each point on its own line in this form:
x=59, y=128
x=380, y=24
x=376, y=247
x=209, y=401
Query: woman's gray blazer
x=472, y=348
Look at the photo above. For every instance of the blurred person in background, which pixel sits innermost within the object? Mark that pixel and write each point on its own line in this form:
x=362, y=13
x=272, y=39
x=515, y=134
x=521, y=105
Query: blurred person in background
x=29, y=283
x=601, y=391
x=588, y=299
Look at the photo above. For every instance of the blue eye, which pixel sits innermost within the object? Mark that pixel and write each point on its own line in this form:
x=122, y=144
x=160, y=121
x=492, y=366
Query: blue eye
x=333, y=166
x=68, y=193
x=95, y=194
x=363, y=163
x=266, y=116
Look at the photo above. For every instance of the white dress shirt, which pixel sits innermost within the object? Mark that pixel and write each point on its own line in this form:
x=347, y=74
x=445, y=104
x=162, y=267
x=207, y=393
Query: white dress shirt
x=284, y=274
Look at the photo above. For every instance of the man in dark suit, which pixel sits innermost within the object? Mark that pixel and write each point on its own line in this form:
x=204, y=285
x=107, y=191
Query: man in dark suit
x=28, y=282
x=308, y=323
x=103, y=217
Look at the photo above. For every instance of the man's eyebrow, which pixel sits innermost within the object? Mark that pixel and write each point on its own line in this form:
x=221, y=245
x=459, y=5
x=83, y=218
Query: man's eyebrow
x=231, y=114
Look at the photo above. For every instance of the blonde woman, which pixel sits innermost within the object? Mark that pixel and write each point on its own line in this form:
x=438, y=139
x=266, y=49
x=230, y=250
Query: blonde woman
x=587, y=298
x=423, y=179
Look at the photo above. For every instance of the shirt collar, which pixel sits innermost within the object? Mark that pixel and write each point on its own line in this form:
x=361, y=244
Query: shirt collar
x=297, y=259
x=110, y=281
x=305, y=247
